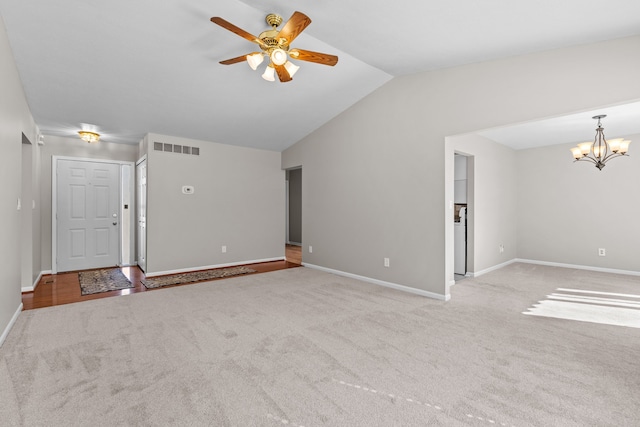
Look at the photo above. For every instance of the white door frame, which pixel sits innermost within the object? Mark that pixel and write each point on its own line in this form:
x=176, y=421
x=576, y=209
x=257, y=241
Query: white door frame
x=54, y=204
x=140, y=240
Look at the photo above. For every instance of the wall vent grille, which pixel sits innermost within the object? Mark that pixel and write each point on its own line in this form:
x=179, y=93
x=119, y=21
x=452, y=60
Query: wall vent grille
x=175, y=148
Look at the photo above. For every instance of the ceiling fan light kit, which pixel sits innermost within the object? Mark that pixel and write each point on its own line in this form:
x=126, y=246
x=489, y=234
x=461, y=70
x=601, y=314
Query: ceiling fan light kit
x=275, y=45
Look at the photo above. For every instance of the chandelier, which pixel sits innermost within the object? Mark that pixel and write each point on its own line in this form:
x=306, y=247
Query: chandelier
x=600, y=151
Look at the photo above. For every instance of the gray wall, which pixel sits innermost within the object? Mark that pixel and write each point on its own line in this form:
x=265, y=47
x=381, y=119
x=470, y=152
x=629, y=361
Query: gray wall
x=15, y=119
x=71, y=147
x=239, y=202
x=295, y=205
x=566, y=210
x=493, y=218
x=379, y=179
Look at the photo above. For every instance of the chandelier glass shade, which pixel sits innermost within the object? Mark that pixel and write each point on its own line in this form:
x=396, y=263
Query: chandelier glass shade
x=600, y=150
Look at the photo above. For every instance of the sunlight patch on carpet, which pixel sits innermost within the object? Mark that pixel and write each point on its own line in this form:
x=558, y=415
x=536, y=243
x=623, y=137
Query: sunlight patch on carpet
x=606, y=308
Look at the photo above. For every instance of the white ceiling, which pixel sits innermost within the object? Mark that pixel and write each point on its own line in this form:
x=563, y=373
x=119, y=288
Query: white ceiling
x=133, y=67
x=621, y=121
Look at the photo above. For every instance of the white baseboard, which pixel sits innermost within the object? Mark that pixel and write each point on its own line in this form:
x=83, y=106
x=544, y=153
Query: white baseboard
x=35, y=282
x=381, y=283
x=579, y=267
x=490, y=269
x=6, y=331
x=209, y=267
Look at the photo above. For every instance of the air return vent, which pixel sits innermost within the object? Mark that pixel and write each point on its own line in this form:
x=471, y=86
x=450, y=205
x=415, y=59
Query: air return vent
x=175, y=148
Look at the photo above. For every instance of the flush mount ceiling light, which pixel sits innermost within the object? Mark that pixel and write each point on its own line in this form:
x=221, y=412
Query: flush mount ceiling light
x=275, y=45
x=88, y=136
x=600, y=151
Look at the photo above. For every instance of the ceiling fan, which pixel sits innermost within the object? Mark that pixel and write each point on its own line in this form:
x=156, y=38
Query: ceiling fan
x=276, y=45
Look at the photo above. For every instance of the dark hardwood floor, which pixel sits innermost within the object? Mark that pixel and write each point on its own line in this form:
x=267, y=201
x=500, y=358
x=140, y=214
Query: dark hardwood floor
x=294, y=254
x=64, y=288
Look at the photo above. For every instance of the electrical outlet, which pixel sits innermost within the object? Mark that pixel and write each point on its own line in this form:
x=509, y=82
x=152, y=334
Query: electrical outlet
x=224, y=249
x=386, y=262
x=501, y=248
x=602, y=252
x=310, y=249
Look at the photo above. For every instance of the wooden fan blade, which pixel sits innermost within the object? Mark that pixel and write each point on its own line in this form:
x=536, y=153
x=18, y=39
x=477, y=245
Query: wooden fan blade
x=235, y=60
x=283, y=74
x=294, y=26
x=239, y=31
x=317, y=57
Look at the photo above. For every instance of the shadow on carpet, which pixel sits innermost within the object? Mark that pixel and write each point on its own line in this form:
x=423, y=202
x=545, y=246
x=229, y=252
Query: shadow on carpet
x=105, y=280
x=196, y=276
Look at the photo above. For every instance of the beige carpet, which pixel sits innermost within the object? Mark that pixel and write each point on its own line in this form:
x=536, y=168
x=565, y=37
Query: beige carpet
x=299, y=347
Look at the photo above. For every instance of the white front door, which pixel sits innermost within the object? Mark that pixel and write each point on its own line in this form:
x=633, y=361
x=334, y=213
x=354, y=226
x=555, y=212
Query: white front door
x=141, y=208
x=87, y=223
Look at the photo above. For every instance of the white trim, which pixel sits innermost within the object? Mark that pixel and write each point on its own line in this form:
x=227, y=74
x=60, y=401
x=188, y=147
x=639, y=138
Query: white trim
x=286, y=207
x=381, y=283
x=490, y=269
x=209, y=267
x=6, y=331
x=35, y=282
x=54, y=201
x=579, y=267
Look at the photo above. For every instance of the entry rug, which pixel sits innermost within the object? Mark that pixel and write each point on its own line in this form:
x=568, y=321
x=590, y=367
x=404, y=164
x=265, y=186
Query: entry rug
x=196, y=276
x=105, y=280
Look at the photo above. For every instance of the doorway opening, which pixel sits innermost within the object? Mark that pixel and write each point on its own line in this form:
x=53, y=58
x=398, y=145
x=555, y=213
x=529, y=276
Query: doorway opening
x=293, y=239
x=462, y=215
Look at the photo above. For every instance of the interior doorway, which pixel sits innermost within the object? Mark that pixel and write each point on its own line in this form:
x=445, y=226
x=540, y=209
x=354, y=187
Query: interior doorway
x=462, y=215
x=26, y=204
x=293, y=240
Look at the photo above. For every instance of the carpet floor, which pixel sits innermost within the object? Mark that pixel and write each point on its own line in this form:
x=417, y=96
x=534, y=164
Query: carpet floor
x=300, y=347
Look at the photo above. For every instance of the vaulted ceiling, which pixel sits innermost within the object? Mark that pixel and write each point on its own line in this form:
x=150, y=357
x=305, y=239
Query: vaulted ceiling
x=133, y=67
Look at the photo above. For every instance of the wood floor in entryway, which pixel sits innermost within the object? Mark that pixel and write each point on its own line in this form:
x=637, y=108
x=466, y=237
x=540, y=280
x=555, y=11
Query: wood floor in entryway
x=64, y=288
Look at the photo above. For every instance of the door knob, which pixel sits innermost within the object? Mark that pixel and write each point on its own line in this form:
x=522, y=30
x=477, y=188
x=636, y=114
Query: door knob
x=115, y=223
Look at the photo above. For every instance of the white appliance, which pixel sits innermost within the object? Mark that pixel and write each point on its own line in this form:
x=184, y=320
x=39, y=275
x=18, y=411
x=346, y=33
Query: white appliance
x=460, y=243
